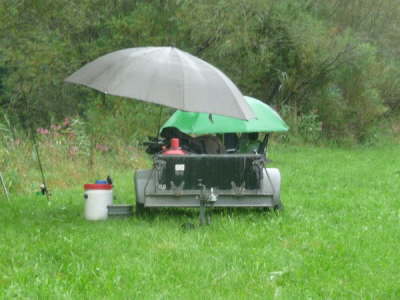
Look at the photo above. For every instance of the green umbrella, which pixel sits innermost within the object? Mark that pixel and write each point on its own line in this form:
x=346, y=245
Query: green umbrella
x=267, y=120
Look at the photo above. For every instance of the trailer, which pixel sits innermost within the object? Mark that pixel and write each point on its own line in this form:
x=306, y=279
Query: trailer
x=208, y=180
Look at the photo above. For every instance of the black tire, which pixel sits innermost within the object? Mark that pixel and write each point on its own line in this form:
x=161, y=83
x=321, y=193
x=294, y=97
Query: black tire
x=141, y=176
x=140, y=210
x=279, y=207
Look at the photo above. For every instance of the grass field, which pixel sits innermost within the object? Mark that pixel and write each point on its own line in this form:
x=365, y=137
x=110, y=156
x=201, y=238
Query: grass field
x=339, y=238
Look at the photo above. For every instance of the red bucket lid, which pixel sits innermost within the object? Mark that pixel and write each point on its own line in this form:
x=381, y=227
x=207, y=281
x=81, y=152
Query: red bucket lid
x=95, y=186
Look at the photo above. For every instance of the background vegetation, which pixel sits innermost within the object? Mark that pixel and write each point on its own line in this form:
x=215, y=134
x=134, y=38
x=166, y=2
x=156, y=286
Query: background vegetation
x=331, y=63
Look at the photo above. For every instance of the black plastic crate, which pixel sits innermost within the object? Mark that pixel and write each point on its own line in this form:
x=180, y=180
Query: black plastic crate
x=216, y=171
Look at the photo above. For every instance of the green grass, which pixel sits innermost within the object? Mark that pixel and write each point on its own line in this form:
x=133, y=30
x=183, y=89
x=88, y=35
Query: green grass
x=338, y=238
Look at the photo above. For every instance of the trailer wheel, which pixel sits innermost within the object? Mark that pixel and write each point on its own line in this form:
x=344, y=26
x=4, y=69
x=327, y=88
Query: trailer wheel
x=141, y=178
x=272, y=183
x=140, y=210
x=279, y=207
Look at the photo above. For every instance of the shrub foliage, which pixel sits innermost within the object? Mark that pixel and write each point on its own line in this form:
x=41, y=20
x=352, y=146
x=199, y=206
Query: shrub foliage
x=332, y=62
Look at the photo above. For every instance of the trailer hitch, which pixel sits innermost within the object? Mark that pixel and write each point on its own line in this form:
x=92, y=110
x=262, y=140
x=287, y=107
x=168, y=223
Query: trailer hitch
x=177, y=189
x=207, y=199
x=238, y=190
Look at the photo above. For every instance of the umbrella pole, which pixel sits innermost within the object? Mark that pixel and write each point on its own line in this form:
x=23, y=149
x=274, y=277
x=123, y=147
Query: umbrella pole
x=159, y=122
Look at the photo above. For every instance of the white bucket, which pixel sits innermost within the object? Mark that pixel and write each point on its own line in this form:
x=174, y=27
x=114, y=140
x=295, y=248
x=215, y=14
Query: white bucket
x=97, y=198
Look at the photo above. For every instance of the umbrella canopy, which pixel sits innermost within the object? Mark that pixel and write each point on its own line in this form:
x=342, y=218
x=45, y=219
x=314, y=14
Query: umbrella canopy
x=166, y=76
x=267, y=120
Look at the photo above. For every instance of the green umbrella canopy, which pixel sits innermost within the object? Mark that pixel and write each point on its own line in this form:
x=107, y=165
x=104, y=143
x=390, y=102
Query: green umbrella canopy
x=267, y=120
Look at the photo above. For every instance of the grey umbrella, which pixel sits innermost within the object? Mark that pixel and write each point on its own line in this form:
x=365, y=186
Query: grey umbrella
x=166, y=76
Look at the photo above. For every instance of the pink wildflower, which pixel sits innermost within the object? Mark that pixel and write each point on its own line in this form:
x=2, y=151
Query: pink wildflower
x=102, y=148
x=66, y=122
x=42, y=131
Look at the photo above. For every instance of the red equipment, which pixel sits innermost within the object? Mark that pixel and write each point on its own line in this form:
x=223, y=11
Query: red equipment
x=174, y=149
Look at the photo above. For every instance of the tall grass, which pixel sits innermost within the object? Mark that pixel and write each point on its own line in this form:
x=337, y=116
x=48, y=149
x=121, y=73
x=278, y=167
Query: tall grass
x=70, y=154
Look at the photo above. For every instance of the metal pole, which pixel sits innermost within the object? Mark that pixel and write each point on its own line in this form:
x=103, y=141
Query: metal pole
x=4, y=187
x=262, y=148
x=203, y=220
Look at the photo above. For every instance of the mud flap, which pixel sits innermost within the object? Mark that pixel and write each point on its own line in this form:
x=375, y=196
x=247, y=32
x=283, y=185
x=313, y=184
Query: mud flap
x=141, y=179
x=272, y=182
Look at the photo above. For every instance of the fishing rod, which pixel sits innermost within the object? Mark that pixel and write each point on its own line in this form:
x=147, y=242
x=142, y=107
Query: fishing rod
x=29, y=124
x=4, y=187
x=43, y=186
